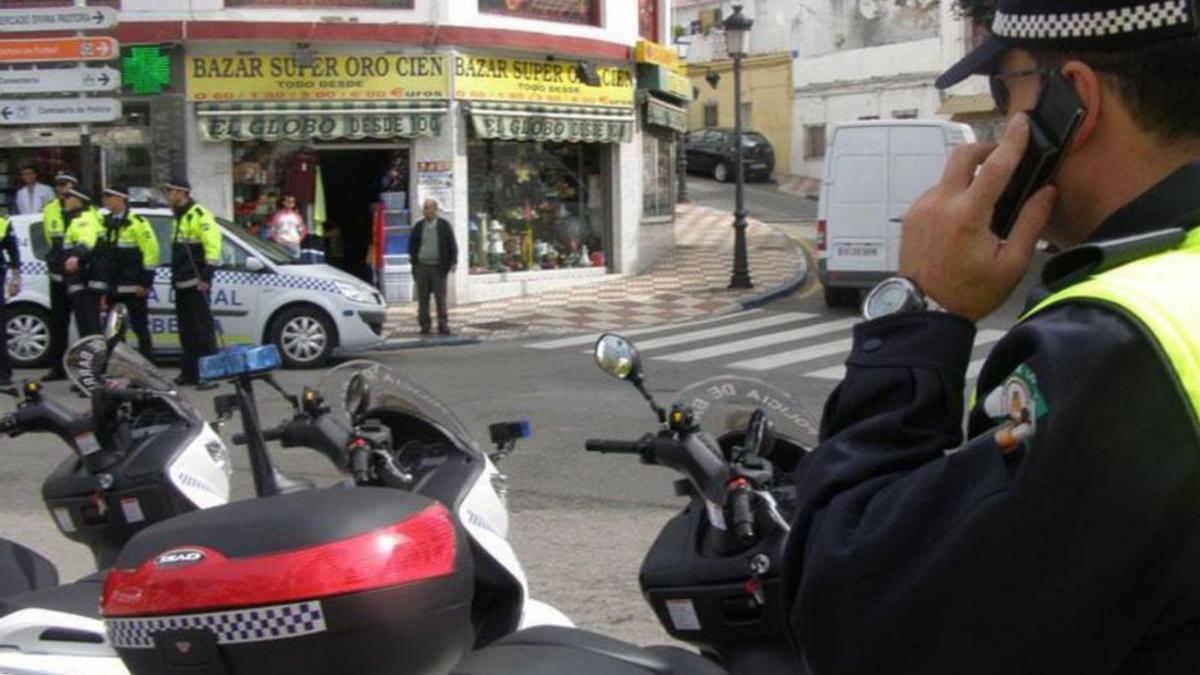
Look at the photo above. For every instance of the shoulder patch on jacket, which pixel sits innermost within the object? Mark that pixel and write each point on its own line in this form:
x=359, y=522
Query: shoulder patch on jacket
x=1016, y=405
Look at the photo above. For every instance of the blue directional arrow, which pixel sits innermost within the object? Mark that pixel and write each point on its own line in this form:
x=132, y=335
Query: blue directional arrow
x=6, y=113
x=98, y=17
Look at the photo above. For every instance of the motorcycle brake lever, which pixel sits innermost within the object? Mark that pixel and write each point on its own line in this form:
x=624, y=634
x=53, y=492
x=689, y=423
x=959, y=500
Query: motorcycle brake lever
x=773, y=510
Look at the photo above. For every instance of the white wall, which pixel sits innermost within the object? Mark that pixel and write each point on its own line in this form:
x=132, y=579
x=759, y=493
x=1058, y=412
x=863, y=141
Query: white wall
x=209, y=168
x=618, y=20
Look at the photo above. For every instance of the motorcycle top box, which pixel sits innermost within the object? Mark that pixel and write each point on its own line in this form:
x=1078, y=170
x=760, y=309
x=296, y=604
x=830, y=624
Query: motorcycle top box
x=338, y=580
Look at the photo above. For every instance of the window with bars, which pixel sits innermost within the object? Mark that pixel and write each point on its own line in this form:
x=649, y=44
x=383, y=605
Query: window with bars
x=568, y=11
x=658, y=175
x=814, y=141
x=711, y=116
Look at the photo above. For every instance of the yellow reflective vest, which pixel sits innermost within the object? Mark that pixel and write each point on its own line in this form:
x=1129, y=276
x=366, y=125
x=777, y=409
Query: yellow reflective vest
x=53, y=226
x=82, y=233
x=195, y=247
x=1162, y=291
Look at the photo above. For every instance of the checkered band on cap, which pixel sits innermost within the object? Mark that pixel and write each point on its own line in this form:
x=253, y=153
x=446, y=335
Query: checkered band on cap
x=1121, y=21
x=233, y=627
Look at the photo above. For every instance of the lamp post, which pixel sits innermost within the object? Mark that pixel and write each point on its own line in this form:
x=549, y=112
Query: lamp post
x=737, y=37
x=683, y=45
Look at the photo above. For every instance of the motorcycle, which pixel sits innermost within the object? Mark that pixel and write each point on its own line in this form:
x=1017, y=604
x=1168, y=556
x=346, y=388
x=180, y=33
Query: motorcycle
x=713, y=574
x=141, y=454
x=418, y=490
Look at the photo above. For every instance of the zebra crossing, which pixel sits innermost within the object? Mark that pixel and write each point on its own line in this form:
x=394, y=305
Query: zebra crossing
x=758, y=341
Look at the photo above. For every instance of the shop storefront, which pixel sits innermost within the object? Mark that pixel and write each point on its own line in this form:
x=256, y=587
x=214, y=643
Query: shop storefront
x=333, y=134
x=540, y=163
x=663, y=95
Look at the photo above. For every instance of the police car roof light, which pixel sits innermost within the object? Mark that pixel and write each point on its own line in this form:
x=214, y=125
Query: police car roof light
x=239, y=360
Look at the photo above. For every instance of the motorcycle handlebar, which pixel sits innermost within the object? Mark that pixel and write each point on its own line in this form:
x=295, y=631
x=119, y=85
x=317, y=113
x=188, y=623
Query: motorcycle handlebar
x=271, y=434
x=742, y=510
x=613, y=447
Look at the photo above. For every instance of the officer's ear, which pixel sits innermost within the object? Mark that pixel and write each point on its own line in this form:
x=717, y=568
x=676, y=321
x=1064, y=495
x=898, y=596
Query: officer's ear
x=1089, y=89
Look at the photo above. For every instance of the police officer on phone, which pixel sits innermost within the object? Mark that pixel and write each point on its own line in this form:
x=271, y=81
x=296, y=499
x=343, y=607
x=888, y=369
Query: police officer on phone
x=1061, y=534
x=53, y=228
x=195, y=256
x=10, y=263
x=130, y=256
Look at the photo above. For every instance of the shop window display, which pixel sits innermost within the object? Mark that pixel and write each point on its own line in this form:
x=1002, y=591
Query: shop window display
x=536, y=206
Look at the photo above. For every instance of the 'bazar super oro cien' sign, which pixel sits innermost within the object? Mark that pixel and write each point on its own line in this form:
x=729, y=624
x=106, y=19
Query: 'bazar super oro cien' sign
x=485, y=78
x=280, y=77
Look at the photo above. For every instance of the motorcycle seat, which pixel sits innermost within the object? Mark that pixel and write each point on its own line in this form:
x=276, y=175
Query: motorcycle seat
x=81, y=598
x=556, y=649
x=23, y=569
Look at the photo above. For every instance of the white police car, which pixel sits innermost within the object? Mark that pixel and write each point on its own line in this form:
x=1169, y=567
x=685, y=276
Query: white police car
x=260, y=295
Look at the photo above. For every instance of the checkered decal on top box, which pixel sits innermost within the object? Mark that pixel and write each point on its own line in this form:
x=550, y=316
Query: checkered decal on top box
x=241, y=626
x=1093, y=24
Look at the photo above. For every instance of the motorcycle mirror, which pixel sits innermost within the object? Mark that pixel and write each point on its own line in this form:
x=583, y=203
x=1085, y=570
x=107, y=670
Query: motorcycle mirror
x=114, y=325
x=358, y=396
x=618, y=357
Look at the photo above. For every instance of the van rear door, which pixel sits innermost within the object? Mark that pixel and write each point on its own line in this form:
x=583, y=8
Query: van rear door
x=856, y=218
x=917, y=155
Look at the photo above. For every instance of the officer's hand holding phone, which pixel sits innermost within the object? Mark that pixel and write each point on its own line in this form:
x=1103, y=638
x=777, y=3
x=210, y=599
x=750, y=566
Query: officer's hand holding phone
x=948, y=247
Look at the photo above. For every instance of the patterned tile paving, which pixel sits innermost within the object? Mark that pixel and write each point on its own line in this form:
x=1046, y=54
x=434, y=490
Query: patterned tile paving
x=688, y=283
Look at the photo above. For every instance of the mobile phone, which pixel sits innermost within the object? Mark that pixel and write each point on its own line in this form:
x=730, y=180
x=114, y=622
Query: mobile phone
x=1052, y=126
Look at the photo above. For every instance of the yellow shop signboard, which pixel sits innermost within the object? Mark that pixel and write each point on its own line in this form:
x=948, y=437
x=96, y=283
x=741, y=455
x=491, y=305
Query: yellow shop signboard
x=279, y=77
x=484, y=78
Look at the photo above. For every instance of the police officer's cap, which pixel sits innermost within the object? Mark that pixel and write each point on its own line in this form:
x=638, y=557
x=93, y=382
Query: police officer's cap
x=178, y=183
x=117, y=191
x=1076, y=25
x=76, y=192
x=64, y=177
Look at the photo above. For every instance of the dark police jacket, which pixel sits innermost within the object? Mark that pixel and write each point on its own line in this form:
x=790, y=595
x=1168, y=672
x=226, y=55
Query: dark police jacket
x=915, y=551
x=10, y=253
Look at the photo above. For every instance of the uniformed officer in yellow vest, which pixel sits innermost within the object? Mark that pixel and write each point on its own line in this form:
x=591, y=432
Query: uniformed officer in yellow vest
x=1061, y=532
x=53, y=227
x=10, y=264
x=84, y=228
x=129, y=251
x=195, y=257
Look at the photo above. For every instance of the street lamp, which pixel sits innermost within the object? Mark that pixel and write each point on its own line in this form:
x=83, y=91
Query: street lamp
x=683, y=45
x=737, y=38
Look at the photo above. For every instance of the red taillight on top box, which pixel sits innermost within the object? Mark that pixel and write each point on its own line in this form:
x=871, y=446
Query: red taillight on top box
x=341, y=580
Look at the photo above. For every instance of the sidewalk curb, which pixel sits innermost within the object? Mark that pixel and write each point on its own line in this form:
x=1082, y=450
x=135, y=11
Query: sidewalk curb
x=788, y=287
x=401, y=344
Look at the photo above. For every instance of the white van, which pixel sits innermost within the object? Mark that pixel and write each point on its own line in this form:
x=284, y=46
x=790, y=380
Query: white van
x=260, y=296
x=874, y=170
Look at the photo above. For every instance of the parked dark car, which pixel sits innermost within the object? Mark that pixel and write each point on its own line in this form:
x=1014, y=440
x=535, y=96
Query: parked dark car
x=711, y=152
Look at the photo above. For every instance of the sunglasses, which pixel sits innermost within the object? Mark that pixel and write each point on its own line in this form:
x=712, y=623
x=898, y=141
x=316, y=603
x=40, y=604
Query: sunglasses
x=998, y=83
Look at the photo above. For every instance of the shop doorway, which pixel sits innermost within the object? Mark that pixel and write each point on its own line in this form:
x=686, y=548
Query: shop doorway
x=354, y=177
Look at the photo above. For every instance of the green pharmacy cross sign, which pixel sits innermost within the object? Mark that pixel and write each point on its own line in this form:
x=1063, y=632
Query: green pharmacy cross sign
x=146, y=70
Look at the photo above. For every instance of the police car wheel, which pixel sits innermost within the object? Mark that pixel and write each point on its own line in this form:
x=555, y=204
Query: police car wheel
x=304, y=336
x=28, y=336
x=721, y=172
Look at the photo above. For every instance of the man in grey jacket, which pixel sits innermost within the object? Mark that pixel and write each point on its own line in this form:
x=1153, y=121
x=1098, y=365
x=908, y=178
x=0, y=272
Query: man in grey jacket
x=434, y=254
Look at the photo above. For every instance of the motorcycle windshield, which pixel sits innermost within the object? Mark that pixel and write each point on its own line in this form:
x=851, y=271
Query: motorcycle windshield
x=127, y=363
x=91, y=367
x=724, y=405
x=358, y=390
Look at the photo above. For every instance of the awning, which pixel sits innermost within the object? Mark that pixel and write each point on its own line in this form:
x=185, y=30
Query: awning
x=532, y=122
x=307, y=120
x=666, y=115
x=965, y=105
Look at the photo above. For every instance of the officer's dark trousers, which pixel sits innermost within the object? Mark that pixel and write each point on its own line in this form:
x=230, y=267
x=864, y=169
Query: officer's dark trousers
x=197, y=332
x=5, y=365
x=85, y=306
x=60, y=323
x=139, y=320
